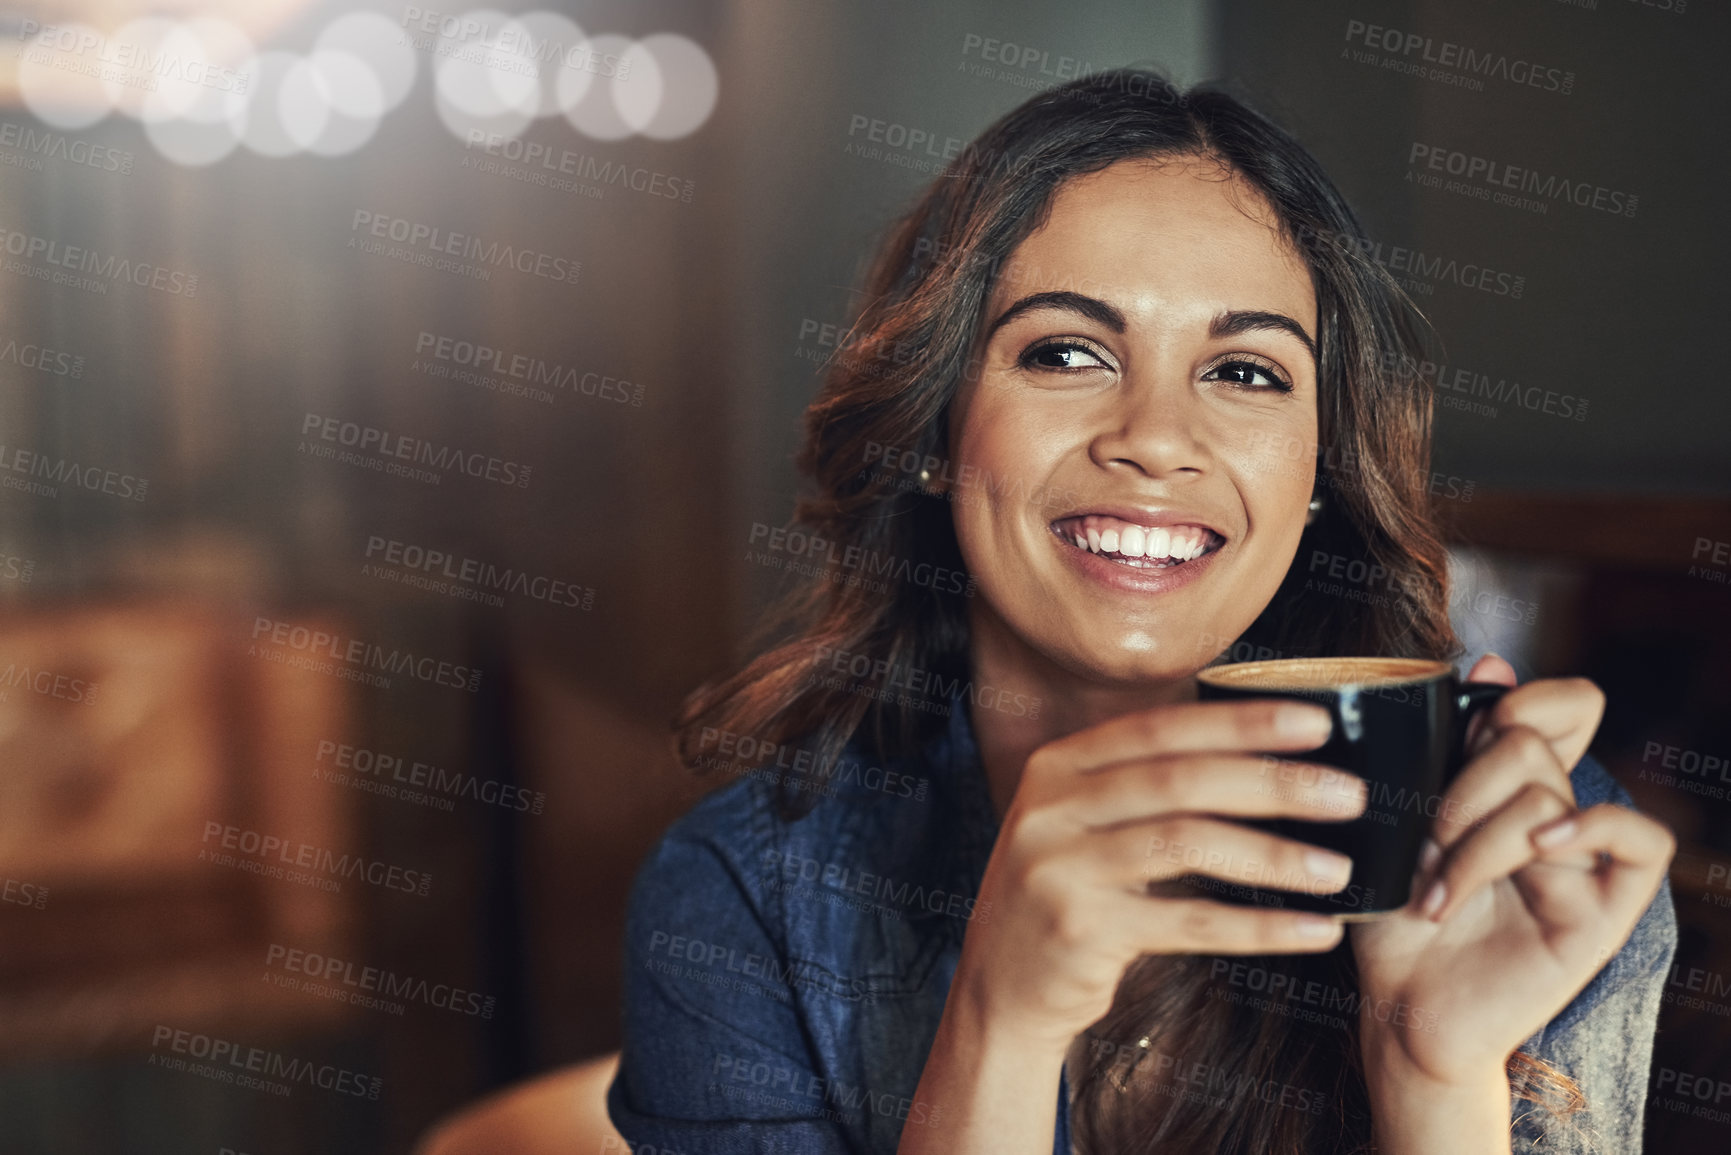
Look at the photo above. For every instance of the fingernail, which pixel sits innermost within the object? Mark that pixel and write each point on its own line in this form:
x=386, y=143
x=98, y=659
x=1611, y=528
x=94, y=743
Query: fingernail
x=1434, y=899
x=1322, y=864
x=1556, y=834
x=1316, y=927
x=1297, y=720
x=1428, y=855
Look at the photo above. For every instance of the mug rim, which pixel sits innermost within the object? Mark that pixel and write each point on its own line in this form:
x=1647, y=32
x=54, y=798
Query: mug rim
x=1423, y=670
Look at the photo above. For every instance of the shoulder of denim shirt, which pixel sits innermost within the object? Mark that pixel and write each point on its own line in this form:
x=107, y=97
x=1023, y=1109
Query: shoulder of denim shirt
x=1646, y=955
x=867, y=813
x=723, y=829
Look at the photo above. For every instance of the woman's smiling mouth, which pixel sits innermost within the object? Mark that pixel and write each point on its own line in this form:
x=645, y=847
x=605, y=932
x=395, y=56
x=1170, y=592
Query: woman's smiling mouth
x=1137, y=545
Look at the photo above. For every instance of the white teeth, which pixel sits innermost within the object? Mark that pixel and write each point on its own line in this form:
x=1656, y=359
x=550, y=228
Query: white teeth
x=1134, y=541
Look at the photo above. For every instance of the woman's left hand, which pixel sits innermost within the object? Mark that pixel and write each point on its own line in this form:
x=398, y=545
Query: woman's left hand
x=1526, y=899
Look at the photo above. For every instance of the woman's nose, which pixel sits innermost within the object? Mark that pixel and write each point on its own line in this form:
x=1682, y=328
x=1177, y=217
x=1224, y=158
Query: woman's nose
x=1157, y=427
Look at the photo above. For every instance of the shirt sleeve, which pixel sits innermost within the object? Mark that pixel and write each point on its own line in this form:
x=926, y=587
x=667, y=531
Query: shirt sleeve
x=716, y=1060
x=1604, y=1038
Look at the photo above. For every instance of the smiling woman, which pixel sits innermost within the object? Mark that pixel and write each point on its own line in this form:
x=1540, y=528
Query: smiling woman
x=1152, y=400
x=1138, y=387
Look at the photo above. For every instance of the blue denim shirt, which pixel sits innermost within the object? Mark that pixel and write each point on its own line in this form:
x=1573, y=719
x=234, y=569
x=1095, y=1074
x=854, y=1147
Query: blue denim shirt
x=784, y=981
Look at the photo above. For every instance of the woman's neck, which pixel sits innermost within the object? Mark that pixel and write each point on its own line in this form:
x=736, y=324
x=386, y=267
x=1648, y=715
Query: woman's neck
x=1006, y=732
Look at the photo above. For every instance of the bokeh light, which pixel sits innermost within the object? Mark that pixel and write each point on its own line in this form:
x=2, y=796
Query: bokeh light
x=201, y=89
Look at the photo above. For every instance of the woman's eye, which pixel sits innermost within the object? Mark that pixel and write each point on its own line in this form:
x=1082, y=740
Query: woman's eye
x=1250, y=375
x=1061, y=355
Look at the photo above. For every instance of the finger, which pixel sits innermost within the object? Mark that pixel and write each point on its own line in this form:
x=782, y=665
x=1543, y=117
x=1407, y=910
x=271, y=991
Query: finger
x=1494, y=669
x=1260, y=724
x=1631, y=851
x=1202, y=926
x=1565, y=711
x=1495, y=850
x=1517, y=757
x=1134, y=856
x=1239, y=784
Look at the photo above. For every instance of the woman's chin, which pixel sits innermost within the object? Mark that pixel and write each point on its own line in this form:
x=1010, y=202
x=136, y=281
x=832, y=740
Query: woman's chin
x=1132, y=667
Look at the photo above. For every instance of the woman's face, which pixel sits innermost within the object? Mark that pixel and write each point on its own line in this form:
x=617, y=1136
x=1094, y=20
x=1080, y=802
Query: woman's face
x=1134, y=445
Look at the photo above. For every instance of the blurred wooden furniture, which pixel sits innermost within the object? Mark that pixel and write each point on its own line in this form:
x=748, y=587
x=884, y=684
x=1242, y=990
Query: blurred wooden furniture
x=126, y=731
x=557, y=1113
x=1658, y=531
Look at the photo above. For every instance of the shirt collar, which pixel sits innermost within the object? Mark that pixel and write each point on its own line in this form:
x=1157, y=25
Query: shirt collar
x=956, y=760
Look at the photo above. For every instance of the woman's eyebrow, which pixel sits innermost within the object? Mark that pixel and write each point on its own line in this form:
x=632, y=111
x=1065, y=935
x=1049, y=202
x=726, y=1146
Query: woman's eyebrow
x=1091, y=307
x=1226, y=324
x=1230, y=324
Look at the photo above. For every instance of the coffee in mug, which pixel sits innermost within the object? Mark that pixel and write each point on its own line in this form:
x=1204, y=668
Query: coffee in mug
x=1400, y=724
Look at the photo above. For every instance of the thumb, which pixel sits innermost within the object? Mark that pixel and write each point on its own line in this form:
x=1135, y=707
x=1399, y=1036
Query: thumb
x=1492, y=668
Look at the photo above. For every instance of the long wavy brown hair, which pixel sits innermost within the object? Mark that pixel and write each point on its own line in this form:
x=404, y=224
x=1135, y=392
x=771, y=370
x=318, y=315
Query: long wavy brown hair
x=1229, y=1068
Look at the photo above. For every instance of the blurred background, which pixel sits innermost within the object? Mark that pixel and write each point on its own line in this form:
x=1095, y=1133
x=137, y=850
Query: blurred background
x=388, y=394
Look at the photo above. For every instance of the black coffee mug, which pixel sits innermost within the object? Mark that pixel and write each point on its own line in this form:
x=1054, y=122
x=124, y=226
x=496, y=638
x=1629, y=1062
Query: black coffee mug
x=1400, y=724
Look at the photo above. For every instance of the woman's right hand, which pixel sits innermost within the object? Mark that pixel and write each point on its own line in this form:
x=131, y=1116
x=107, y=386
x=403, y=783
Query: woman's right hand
x=1102, y=818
